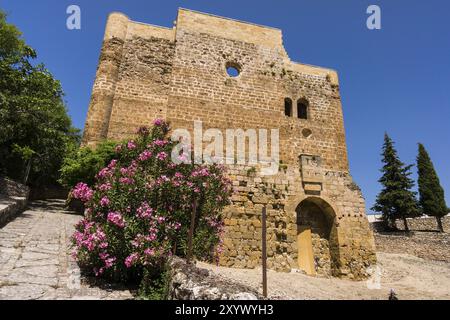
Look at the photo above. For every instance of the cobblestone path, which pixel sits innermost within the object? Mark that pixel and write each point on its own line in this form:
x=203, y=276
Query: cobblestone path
x=35, y=260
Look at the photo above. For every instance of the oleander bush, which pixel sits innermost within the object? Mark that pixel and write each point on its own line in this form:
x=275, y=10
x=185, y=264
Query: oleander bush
x=138, y=213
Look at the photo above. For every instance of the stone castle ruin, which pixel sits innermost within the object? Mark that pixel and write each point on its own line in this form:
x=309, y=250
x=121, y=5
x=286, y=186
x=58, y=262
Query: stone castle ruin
x=316, y=213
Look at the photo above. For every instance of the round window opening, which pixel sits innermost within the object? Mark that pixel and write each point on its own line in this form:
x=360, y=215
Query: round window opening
x=233, y=69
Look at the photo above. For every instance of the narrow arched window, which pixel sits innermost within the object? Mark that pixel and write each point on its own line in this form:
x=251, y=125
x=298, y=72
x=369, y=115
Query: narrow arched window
x=288, y=107
x=302, y=109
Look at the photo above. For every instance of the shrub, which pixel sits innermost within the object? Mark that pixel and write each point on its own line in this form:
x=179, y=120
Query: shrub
x=139, y=211
x=82, y=164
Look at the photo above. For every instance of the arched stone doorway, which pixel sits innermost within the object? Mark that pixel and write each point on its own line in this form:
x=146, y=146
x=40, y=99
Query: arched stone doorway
x=318, y=248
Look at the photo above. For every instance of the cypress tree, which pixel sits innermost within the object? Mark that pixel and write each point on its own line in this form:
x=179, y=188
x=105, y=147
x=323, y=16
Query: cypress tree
x=396, y=200
x=432, y=200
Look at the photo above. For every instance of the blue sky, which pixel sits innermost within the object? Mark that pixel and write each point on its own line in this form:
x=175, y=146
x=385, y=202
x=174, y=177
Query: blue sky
x=396, y=79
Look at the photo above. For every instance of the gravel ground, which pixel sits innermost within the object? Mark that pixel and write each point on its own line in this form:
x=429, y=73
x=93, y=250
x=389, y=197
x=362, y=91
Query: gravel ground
x=410, y=277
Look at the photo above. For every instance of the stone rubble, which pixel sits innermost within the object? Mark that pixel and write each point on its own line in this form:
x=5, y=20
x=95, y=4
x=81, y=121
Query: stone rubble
x=189, y=282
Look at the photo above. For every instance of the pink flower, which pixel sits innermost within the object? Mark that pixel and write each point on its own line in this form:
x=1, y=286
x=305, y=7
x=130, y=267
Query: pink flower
x=161, y=220
x=82, y=192
x=116, y=219
x=112, y=164
x=149, y=252
x=179, y=175
x=104, y=173
x=118, y=148
x=129, y=171
x=202, y=172
x=144, y=211
x=145, y=155
x=177, y=226
x=103, y=255
x=160, y=143
x=131, y=145
x=162, y=156
x=158, y=122
x=172, y=165
x=104, y=202
x=99, y=272
x=151, y=237
x=110, y=262
x=131, y=260
x=105, y=187
x=176, y=183
x=126, y=181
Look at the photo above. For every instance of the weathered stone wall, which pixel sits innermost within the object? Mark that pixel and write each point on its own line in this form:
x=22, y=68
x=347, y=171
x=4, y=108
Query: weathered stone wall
x=354, y=244
x=180, y=74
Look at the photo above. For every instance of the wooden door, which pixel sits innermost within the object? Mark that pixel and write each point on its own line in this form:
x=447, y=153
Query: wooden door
x=305, y=250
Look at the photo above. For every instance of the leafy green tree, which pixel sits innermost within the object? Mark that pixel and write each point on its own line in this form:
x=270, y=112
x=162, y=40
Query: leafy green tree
x=396, y=200
x=83, y=164
x=35, y=129
x=432, y=199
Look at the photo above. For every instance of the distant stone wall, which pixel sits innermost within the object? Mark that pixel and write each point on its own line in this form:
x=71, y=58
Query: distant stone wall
x=423, y=244
x=416, y=224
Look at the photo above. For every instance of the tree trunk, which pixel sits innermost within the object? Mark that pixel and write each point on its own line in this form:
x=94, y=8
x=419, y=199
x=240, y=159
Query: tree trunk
x=439, y=223
x=27, y=172
x=405, y=222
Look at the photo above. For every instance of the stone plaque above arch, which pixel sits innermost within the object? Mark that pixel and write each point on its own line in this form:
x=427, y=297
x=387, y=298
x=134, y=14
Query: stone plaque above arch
x=312, y=174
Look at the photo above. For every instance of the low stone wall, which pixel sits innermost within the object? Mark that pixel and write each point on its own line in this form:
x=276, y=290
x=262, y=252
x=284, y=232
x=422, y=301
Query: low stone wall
x=13, y=199
x=416, y=224
x=189, y=282
x=12, y=188
x=9, y=208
